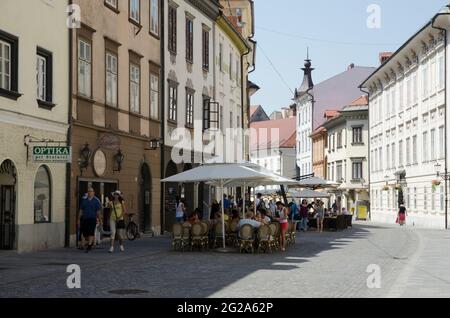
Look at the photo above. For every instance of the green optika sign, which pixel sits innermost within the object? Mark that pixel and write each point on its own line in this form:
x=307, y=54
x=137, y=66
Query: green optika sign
x=52, y=154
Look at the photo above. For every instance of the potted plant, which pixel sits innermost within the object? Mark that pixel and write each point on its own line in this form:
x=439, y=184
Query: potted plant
x=435, y=183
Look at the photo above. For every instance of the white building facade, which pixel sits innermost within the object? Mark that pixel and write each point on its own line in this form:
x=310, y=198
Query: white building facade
x=34, y=108
x=347, y=153
x=408, y=132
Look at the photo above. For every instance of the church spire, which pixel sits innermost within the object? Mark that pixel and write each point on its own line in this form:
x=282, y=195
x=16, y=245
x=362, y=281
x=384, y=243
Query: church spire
x=307, y=78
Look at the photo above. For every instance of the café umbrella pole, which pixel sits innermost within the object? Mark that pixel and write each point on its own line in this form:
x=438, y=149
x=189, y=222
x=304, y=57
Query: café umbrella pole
x=243, y=201
x=223, y=215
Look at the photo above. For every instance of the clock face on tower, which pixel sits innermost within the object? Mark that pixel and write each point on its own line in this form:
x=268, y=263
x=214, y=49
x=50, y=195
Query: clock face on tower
x=99, y=163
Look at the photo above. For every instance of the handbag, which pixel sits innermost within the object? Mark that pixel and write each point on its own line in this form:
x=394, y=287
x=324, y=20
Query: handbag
x=120, y=224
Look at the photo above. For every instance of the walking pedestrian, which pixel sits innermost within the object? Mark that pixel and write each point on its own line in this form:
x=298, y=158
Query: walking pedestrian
x=90, y=210
x=320, y=216
x=117, y=221
x=401, y=217
x=304, y=216
x=282, y=217
x=180, y=210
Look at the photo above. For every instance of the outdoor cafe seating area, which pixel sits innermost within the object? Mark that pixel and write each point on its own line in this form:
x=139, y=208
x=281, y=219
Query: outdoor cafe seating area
x=203, y=236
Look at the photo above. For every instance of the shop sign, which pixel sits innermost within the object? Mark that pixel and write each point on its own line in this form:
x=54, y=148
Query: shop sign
x=52, y=154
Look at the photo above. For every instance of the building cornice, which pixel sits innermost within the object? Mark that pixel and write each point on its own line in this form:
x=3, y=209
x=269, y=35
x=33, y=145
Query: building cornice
x=208, y=7
x=23, y=120
x=233, y=34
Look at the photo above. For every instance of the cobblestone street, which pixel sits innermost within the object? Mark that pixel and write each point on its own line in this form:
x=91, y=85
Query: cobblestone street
x=413, y=262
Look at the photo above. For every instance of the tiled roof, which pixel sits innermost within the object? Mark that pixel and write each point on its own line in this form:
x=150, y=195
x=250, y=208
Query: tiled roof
x=361, y=101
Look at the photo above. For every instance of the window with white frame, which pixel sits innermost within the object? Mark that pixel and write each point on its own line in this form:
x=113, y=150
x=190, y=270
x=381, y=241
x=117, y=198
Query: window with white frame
x=189, y=108
x=388, y=157
x=400, y=153
x=135, y=10
x=425, y=81
x=380, y=154
x=339, y=171
x=84, y=68
x=357, y=135
x=112, y=3
x=401, y=95
x=408, y=151
x=441, y=142
x=414, y=150
x=425, y=147
x=393, y=100
x=415, y=199
x=408, y=92
x=425, y=199
x=433, y=154
x=393, y=157
x=415, y=94
x=173, y=101
x=154, y=96
x=154, y=17
x=441, y=72
x=135, y=77
x=442, y=199
x=111, y=79
x=357, y=170
x=5, y=65
x=433, y=200
x=433, y=76
x=44, y=80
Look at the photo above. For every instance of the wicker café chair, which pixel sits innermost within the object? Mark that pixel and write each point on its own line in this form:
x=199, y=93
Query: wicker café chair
x=177, y=233
x=186, y=236
x=218, y=235
x=246, y=239
x=205, y=233
x=232, y=235
x=197, y=240
x=293, y=231
x=274, y=239
x=264, y=239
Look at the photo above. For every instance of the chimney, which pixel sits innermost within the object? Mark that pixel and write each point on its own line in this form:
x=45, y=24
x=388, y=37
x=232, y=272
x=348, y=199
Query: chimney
x=384, y=56
x=351, y=66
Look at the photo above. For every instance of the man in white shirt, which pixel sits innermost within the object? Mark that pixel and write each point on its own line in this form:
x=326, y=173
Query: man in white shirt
x=249, y=220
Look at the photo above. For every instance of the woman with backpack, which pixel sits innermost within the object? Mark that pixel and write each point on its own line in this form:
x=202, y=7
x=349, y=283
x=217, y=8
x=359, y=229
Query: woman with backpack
x=117, y=220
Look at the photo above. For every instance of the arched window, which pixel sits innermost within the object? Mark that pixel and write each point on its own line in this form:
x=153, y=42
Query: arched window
x=42, y=196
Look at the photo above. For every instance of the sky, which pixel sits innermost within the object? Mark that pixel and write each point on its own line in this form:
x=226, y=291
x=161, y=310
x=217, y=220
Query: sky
x=337, y=34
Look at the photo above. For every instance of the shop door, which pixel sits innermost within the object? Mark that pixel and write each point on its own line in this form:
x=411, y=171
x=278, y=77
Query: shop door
x=146, y=199
x=7, y=217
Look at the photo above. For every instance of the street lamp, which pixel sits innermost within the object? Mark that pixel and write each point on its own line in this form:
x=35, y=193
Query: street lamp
x=437, y=168
x=156, y=143
x=446, y=177
x=85, y=156
x=118, y=159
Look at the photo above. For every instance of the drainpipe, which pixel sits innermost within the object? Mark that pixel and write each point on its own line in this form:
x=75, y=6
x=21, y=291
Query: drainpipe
x=445, y=115
x=163, y=114
x=69, y=143
x=361, y=88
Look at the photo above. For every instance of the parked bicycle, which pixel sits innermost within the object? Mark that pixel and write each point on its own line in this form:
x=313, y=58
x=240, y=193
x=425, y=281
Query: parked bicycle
x=132, y=229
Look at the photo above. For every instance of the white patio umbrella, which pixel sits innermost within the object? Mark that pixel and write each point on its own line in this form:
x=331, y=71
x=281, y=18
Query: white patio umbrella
x=220, y=175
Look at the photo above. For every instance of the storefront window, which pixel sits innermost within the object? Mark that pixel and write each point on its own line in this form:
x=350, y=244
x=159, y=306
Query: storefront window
x=42, y=196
